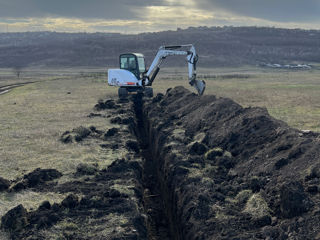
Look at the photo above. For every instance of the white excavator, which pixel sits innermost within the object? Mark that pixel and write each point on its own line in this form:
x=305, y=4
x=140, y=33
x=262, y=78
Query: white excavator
x=134, y=77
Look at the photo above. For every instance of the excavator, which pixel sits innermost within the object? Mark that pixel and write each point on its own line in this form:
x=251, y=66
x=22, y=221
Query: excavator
x=134, y=77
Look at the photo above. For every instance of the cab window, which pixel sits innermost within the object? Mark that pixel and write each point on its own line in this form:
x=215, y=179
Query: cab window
x=142, y=67
x=128, y=62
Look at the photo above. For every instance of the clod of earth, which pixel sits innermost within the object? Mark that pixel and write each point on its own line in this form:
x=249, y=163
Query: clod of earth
x=197, y=149
x=4, y=184
x=111, y=132
x=116, y=120
x=15, y=219
x=86, y=169
x=109, y=104
x=45, y=205
x=71, y=201
x=121, y=111
x=133, y=145
x=293, y=200
x=281, y=163
x=66, y=137
x=79, y=134
x=314, y=173
x=92, y=115
x=37, y=178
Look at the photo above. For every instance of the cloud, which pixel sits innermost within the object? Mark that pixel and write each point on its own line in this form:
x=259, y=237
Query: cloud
x=119, y=9
x=135, y=16
x=272, y=10
x=76, y=25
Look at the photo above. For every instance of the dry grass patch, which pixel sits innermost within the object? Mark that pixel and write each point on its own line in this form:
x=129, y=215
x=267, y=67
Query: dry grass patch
x=291, y=96
x=34, y=116
x=37, y=115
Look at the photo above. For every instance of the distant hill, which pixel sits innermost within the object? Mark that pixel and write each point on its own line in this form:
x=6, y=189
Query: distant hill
x=216, y=46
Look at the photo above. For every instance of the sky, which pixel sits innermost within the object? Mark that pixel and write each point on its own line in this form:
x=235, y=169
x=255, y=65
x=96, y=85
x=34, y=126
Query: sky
x=136, y=16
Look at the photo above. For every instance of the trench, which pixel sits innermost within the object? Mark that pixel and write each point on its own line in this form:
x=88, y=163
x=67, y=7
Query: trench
x=161, y=218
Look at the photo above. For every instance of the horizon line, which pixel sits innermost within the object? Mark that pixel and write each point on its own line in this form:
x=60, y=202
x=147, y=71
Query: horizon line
x=168, y=30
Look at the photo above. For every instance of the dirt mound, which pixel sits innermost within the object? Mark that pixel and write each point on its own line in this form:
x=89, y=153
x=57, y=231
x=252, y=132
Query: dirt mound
x=4, y=184
x=213, y=152
x=108, y=104
x=86, y=169
x=15, y=219
x=77, y=134
x=80, y=133
x=37, y=179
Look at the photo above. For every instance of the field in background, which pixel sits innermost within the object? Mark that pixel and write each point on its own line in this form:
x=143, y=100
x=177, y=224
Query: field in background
x=291, y=96
x=34, y=116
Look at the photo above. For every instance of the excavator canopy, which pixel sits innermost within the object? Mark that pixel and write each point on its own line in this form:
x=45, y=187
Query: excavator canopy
x=133, y=62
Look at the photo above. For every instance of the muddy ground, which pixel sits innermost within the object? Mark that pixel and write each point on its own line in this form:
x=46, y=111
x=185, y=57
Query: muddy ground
x=194, y=168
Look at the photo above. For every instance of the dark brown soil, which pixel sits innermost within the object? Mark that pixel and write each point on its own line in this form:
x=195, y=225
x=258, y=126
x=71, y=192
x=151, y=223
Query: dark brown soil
x=4, y=184
x=200, y=167
x=108, y=104
x=38, y=180
x=224, y=151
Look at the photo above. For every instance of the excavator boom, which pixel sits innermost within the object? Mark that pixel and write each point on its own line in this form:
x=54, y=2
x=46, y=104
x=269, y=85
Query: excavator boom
x=192, y=58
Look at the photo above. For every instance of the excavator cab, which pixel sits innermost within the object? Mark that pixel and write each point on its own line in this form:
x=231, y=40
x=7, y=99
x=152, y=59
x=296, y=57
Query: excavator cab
x=130, y=76
x=133, y=62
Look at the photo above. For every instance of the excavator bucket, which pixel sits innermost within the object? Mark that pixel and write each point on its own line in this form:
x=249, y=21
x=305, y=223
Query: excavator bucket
x=199, y=85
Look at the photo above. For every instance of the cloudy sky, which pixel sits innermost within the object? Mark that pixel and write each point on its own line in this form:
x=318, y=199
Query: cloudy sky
x=134, y=16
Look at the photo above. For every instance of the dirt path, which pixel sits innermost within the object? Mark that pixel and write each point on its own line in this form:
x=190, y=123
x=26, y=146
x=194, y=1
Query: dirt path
x=8, y=88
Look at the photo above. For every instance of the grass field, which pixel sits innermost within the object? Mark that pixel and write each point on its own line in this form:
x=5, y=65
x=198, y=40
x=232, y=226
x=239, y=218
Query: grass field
x=34, y=116
x=291, y=96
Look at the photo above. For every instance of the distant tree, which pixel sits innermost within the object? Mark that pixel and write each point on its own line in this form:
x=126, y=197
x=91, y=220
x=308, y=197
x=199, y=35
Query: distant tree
x=17, y=70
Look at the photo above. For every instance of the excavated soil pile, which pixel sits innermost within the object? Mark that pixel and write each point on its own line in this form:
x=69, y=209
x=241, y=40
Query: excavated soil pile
x=191, y=168
x=228, y=172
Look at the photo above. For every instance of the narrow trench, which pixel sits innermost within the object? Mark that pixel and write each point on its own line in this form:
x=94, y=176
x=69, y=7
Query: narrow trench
x=160, y=223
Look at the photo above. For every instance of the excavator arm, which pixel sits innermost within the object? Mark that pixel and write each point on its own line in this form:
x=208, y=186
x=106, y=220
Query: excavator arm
x=192, y=58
